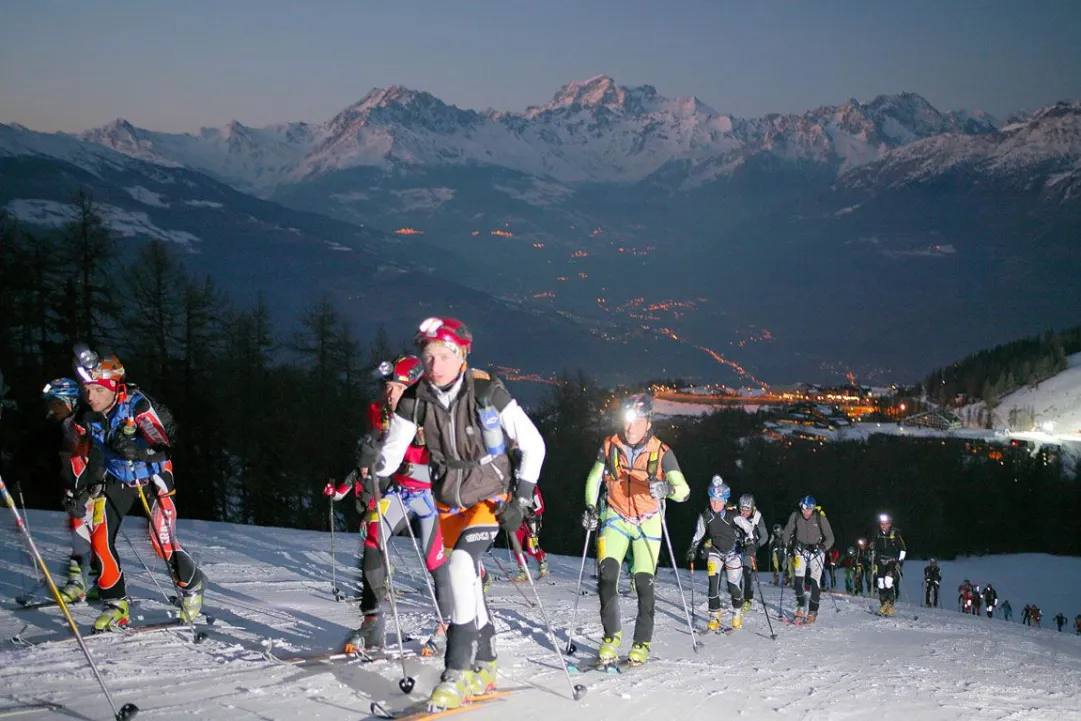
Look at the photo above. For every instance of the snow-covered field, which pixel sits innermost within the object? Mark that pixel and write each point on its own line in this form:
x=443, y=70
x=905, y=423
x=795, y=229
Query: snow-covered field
x=269, y=583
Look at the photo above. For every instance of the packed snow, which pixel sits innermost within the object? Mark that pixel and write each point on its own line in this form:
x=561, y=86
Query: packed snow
x=274, y=584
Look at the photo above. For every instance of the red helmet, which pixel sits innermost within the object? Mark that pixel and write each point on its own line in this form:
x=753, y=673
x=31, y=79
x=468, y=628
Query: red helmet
x=406, y=369
x=449, y=331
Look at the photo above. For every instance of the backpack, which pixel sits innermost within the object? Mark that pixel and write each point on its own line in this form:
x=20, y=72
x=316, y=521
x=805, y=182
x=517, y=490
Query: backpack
x=168, y=420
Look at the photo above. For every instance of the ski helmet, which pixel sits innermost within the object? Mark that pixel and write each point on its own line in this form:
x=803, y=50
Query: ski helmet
x=746, y=502
x=93, y=369
x=933, y=562
x=807, y=502
x=884, y=519
x=635, y=406
x=63, y=389
x=407, y=369
x=777, y=528
x=450, y=332
x=861, y=542
x=851, y=551
x=718, y=489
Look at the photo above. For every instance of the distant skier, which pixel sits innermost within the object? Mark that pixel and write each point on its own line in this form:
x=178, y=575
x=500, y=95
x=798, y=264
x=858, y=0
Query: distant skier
x=1026, y=615
x=932, y=579
x=753, y=536
x=849, y=565
x=990, y=600
x=808, y=534
x=864, y=567
x=1035, y=615
x=777, y=554
x=964, y=597
x=717, y=534
x=1077, y=624
x=977, y=600
x=832, y=556
x=890, y=552
x=529, y=537
x=1007, y=611
x=1060, y=620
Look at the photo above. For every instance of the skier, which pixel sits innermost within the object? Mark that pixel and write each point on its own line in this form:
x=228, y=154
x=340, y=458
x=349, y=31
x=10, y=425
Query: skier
x=990, y=600
x=1007, y=611
x=529, y=536
x=752, y=536
x=889, y=561
x=832, y=556
x=808, y=535
x=977, y=600
x=1026, y=615
x=407, y=498
x=716, y=526
x=1035, y=614
x=964, y=596
x=778, y=555
x=1077, y=624
x=467, y=417
x=864, y=567
x=122, y=448
x=1060, y=620
x=849, y=565
x=932, y=579
x=639, y=472
x=61, y=397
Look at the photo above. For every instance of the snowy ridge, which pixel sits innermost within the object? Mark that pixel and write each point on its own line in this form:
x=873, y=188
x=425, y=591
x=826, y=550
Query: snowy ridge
x=591, y=130
x=269, y=583
x=1047, y=142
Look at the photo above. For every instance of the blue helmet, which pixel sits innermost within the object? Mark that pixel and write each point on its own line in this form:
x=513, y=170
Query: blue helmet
x=807, y=502
x=64, y=389
x=718, y=489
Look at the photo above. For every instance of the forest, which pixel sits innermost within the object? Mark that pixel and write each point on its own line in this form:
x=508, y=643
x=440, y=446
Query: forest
x=266, y=418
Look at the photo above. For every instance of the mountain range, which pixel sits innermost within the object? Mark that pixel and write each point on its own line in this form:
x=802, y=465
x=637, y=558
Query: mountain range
x=880, y=238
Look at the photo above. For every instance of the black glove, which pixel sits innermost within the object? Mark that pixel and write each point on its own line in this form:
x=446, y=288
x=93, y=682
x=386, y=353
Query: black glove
x=749, y=546
x=661, y=489
x=703, y=552
x=511, y=515
x=590, y=518
x=125, y=446
x=75, y=503
x=692, y=553
x=367, y=453
x=388, y=484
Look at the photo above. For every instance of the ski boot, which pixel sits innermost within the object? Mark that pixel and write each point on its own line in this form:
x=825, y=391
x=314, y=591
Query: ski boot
x=747, y=605
x=889, y=608
x=608, y=653
x=810, y=618
x=799, y=616
x=113, y=615
x=521, y=577
x=451, y=692
x=435, y=645
x=883, y=607
x=191, y=602
x=543, y=567
x=482, y=679
x=639, y=654
x=737, y=619
x=368, y=637
x=93, y=590
x=75, y=589
x=715, y=620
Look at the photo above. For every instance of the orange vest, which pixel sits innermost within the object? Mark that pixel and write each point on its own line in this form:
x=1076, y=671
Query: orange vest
x=628, y=487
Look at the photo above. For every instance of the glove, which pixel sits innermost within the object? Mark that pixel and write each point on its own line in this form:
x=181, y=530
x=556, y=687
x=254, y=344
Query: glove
x=590, y=518
x=692, y=553
x=749, y=546
x=75, y=504
x=125, y=446
x=661, y=489
x=703, y=551
x=511, y=515
x=367, y=453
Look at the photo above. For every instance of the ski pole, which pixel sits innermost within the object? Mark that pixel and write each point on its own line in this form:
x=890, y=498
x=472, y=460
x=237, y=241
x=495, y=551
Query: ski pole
x=577, y=690
x=571, y=648
x=127, y=711
x=754, y=570
x=503, y=570
x=26, y=520
x=337, y=592
x=693, y=619
x=406, y=682
x=420, y=557
x=145, y=567
x=196, y=637
x=679, y=583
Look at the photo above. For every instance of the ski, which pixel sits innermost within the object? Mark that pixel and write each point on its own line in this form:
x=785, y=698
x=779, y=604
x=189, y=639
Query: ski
x=300, y=659
x=19, y=709
x=594, y=664
x=419, y=711
x=723, y=630
x=174, y=623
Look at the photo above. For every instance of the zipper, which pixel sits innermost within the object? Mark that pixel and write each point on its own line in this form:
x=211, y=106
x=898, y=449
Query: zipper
x=454, y=451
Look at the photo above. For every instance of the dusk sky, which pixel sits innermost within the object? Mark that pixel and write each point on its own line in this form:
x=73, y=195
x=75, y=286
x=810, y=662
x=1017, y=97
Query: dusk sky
x=67, y=65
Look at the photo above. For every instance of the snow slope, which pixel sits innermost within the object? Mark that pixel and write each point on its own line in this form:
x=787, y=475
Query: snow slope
x=274, y=583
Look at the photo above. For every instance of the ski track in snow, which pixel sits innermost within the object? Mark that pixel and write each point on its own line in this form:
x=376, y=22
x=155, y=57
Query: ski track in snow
x=275, y=583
